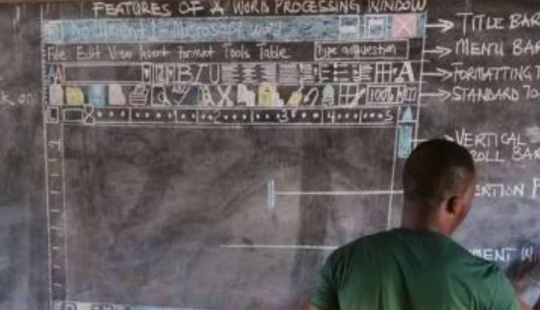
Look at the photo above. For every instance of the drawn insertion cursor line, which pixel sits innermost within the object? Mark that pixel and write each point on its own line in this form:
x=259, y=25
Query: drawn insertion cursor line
x=273, y=193
x=271, y=204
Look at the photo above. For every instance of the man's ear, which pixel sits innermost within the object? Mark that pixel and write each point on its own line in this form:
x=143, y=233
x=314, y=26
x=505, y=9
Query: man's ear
x=452, y=205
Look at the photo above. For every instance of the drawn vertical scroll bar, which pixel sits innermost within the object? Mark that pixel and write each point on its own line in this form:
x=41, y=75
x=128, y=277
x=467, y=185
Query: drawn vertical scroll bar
x=54, y=176
x=56, y=226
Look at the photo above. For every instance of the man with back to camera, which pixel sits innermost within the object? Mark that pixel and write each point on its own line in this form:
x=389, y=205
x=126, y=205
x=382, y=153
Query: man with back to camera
x=418, y=266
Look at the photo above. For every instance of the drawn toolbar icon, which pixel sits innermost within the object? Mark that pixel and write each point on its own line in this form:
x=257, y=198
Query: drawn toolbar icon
x=139, y=95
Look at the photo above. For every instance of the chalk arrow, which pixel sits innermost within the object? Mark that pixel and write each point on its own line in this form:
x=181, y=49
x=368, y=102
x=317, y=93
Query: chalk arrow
x=445, y=74
x=442, y=51
x=447, y=137
x=444, y=24
x=441, y=93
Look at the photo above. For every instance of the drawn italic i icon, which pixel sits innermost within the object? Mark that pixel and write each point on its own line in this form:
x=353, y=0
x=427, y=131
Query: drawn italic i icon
x=406, y=128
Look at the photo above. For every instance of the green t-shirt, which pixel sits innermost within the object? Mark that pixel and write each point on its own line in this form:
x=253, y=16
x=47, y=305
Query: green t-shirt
x=411, y=270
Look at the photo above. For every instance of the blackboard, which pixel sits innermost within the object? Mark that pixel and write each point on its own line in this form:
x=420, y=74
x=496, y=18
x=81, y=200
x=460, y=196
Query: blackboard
x=211, y=154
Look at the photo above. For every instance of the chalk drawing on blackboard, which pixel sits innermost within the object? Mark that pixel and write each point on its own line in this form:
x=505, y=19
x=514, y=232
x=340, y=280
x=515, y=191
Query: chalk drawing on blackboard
x=273, y=193
x=290, y=73
x=268, y=72
x=376, y=26
x=147, y=72
x=116, y=95
x=364, y=72
x=404, y=25
x=74, y=96
x=89, y=117
x=443, y=24
x=407, y=115
x=249, y=73
x=271, y=197
x=182, y=91
x=57, y=74
x=217, y=8
x=328, y=95
x=159, y=96
x=296, y=97
x=349, y=27
x=310, y=99
x=225, y=93
x=56, y=95
x=97, y=95
x=350, y=94
x=52, y=115
x=230, y=73
x=139, y=95
x=441, y=51
x=205, y=96
x=406, y=129
x=245, y=96
x=268, y=95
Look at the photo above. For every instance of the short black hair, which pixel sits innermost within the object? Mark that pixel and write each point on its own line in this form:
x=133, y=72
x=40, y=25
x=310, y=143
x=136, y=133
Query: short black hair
x=437, y=170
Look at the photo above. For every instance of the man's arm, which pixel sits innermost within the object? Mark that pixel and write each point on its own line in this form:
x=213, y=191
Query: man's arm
x=311, y=306
x=324, y=296
x=524, y=306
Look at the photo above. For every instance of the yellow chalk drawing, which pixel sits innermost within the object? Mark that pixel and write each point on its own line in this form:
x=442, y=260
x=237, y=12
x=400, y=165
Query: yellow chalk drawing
x=74, y=96
x=268, y=96
x=296, y=98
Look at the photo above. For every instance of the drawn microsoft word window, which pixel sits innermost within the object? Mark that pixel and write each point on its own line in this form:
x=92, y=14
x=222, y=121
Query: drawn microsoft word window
x=211, y=159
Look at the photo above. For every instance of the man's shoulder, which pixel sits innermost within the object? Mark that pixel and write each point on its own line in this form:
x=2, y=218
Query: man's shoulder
x=371, y=242
x=392, y=240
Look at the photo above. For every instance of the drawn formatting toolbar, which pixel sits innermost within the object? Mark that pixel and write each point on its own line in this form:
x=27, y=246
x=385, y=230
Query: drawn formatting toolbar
x=321, y=70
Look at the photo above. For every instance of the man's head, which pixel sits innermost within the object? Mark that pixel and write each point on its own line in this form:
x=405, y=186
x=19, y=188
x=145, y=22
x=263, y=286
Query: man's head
x=438, y=181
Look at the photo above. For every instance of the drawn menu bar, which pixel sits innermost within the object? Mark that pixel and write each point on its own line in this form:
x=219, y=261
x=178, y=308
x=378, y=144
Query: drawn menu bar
x=230, y=51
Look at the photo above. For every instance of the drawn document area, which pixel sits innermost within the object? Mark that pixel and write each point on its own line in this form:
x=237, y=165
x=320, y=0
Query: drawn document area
x=214, y=162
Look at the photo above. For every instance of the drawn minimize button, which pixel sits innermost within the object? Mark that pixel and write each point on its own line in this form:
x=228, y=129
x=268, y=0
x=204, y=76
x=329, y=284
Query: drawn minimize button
x=272, y=193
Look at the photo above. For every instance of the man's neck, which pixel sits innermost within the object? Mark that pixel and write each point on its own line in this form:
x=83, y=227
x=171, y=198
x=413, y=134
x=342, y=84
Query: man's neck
x=415, y=217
